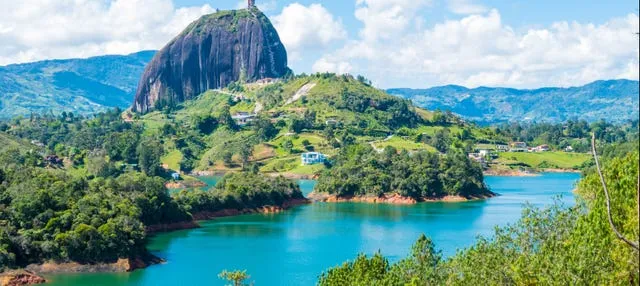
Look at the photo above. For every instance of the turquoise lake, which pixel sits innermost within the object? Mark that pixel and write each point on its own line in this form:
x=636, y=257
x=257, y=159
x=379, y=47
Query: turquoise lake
x=294, y=247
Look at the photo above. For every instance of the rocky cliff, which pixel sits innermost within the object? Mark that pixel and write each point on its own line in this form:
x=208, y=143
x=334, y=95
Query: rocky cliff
x=210, y=53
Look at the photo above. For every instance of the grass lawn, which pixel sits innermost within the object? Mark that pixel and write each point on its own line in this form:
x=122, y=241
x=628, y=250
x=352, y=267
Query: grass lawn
x=401, y=143
x=553, y=159
x=431, y=130
x=307, y=169
x=172, y=159
x=317, y=141
x=282, y=164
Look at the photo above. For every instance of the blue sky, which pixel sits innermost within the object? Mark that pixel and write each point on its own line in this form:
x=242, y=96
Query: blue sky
x=395, y=43
x=518, y=13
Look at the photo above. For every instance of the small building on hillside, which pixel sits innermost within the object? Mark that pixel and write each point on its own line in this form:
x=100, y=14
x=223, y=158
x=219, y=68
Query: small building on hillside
x=541, y=148
x=331, y=121
x=242, y=118
x=175, y=176
x=311, y=158
x=478, y=157
x=568, y=149
x=37, y=143
x=502, y=148
x=518, y=147
x=268, y=80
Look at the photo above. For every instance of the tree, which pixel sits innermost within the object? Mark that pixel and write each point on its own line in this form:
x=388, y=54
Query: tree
x=297, y=125
x=227, y=158
x=441, y=140
x=236, y=277
x=264, y=128
x=288, y=145
x=225, y=117
x=246, y=149
x=149, y=153
x=98, y=166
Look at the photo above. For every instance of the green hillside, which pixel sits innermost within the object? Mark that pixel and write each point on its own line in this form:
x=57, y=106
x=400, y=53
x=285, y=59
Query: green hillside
x=319, y=113
x=81, y=86
x=323, y=113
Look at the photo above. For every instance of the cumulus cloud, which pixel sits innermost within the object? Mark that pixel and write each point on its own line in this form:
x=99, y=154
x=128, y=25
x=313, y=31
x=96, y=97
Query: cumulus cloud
x=383, y=19
x=466, y=7
x=337, y=67
x=307, y=27
x=36, y=30
x=480, y=49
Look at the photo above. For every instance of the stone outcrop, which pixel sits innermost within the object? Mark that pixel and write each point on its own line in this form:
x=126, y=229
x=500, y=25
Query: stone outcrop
x=211, y=53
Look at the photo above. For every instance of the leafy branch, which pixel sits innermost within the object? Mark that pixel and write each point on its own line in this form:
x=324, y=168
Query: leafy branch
x=608, y=199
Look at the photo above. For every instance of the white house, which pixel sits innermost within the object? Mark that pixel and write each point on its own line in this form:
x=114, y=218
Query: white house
x=242, y=118
x=541, y=148
x=518, y=147
x=311, y=158
x=502, y=148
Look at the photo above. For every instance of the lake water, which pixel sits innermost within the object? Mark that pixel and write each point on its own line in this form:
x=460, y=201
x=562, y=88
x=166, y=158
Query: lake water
x=294, y=247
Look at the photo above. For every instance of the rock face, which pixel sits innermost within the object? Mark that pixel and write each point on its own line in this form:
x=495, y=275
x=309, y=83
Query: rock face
x=210, y=53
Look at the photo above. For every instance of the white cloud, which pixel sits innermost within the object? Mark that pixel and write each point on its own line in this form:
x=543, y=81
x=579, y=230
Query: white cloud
x=36, y=30
x=481, y=50
x=336, y=67
x=466, y=7
x=307, y=27
x=383, y=19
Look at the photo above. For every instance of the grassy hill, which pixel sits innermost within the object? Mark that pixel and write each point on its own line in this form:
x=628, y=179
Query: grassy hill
x=309, y=113
x=322, y=113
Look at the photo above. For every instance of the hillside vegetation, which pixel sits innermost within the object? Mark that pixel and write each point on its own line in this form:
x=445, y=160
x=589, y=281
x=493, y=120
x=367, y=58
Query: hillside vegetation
x=325, y=112
x=552, y=246
x=81, y=86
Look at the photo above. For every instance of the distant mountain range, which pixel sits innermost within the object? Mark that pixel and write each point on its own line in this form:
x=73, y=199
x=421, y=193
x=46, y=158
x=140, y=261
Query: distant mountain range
x=90, y=85
x=612, y=100
x=79, y=85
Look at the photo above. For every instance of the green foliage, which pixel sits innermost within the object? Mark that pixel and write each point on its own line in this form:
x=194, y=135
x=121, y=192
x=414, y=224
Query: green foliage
x=149, y=153
x=288, y=145
x=363, y=271
x=48, y=214
x=360, y=170
x=571, y=133
x=552, y=246
x=236, y=277
x=239, y=191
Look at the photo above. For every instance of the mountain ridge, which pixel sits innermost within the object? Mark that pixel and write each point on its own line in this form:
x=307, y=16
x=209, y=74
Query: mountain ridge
x=79, y=85
x=614, y=100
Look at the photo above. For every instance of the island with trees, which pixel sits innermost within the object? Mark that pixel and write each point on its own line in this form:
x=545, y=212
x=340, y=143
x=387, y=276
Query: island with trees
x=362, y=173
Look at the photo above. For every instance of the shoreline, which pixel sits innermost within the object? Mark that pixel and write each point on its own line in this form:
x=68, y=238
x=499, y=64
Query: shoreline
x=519, y=173
x=393, y=199
x=209, y=215
x=33, y=273
x=270, y=209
